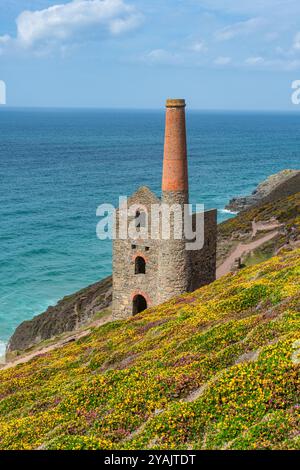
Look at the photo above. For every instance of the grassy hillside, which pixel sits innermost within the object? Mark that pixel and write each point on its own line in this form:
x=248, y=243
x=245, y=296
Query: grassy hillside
x=218, y=368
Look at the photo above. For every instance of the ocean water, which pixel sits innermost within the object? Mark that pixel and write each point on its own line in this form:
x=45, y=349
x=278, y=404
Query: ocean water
x=57, y=166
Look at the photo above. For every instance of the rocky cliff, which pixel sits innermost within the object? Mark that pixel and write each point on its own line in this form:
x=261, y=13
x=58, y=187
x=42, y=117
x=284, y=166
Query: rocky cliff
x=69, y=314
x=277, y=186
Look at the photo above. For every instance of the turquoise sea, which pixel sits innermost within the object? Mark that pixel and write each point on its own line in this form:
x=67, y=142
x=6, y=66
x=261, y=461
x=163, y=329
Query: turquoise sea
x=57, y=166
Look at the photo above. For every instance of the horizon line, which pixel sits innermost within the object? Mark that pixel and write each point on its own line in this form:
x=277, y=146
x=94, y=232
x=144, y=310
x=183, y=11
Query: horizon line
x=125, y=108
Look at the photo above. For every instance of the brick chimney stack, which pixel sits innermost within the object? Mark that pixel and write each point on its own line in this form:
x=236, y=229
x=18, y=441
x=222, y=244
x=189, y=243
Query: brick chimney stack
x=175, y=170
x=174, y=260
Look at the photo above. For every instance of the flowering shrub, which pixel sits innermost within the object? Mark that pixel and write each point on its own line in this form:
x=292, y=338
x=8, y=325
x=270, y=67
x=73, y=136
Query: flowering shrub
x=209, y=370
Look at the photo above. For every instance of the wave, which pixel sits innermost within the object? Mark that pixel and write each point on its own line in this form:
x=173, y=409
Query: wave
x=36, y=251
x=227, y=211
x=2, y=352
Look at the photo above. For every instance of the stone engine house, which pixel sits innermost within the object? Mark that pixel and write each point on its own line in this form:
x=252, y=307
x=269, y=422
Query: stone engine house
x=148, y=271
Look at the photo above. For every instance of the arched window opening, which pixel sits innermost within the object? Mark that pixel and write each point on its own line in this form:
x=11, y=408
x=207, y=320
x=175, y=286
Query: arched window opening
x=140, y=219
x=140, y=265
x=139, y=304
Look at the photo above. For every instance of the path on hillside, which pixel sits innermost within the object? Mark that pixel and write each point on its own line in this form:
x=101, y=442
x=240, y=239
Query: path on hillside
x=241, y=250
x=74, y=336
x=264, y=226
x=245, y=248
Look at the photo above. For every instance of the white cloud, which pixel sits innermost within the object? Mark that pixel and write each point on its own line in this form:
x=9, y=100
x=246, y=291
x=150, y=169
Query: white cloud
x=222, y=60
x=182, y=55
x=66, y=22
x=254, y=60
x=162, y=56
x=198, y=46
x=296, y=44
x=4, y=39
x=239, y=29
x=274, y=64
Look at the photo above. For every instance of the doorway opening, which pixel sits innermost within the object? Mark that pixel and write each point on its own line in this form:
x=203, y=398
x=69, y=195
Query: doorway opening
x=139, y=304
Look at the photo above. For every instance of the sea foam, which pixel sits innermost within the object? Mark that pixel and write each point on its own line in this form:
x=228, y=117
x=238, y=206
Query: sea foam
x=227, y=211
x=2, y=352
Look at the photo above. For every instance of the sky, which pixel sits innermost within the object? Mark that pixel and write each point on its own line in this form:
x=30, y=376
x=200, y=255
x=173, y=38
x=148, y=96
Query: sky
x=217, y=54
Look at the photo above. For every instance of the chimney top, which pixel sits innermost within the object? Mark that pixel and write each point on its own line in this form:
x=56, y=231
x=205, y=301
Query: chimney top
x=175, y=103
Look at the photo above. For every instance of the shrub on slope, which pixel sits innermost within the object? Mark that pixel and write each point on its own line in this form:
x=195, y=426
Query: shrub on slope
x=217, y=368
x=285, y=210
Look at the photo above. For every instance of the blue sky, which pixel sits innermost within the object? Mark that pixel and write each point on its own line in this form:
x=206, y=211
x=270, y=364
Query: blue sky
x=218, y=54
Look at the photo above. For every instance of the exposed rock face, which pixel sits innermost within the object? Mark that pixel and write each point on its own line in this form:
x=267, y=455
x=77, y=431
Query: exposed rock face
x=282, y=184
x=69, y=314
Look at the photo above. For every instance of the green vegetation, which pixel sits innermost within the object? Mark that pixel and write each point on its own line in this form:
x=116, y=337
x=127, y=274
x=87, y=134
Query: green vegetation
x=285, y=210
x=261, y=254
x=214, y=369
x=239, y=229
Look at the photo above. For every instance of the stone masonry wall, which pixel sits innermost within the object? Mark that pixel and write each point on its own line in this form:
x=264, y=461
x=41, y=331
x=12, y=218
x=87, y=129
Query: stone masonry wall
x=127, y=284
x=174, y=261
x=204, y=260
x=170, y=269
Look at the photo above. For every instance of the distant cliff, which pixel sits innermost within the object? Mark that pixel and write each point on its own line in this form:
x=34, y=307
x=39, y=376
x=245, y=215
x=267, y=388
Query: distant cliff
x=69, y=314
x=275, y=187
